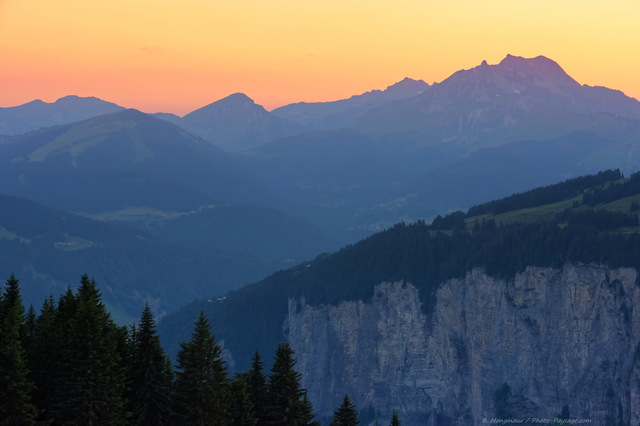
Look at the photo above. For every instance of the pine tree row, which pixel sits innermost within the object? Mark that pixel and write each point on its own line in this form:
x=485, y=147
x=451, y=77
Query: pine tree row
x=71, y=365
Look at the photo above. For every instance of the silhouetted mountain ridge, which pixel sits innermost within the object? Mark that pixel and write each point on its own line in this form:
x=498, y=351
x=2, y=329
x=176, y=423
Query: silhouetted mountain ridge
x=489, y=105
x=342, y=113
x=234, y=123
x=38, y=114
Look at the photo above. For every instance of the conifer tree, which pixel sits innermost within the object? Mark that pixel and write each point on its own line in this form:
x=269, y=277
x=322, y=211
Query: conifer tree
x=257, y=388
x=149, y=379
x=306, y=412
x=62, y=356
x=42, y=357
x=15, y=388
x=29, y=327
x=394, y=419
x=346, y=414
x=287, y=401
x=201, y=389
x=90, y=389
x=66, y=311
x=242, y=408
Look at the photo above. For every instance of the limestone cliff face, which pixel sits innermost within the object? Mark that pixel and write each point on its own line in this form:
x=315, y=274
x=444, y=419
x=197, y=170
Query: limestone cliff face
x=559, y=339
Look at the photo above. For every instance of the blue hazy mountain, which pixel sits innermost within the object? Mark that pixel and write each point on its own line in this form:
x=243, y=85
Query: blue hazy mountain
x=416, y=151
x=342, y=113
x=137, y=170
x=234, y=123
x=38, y=114
x=119, y=160
x=489, y=105
x=481, y=133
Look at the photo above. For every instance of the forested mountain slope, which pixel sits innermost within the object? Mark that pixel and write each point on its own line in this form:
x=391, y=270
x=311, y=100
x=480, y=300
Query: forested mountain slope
x=591, y=220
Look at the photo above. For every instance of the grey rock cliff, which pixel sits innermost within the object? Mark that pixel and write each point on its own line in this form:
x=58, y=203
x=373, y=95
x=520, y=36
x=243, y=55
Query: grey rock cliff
x=558, y=338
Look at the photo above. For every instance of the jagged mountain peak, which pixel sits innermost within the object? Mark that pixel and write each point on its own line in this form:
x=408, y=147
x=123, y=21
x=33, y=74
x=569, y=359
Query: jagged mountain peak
x=516, y=73
x=408, y=81
x=405, y=88
x=492, y=104
x=343, y=112
x=408, y=87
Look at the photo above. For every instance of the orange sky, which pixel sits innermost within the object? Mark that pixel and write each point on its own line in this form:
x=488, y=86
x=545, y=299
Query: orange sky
x=176, y=56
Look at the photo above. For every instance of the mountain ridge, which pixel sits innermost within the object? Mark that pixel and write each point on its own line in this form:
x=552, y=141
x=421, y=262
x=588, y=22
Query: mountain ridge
x=501, y=102
x=38, y=114
x=234, y=123
x=144, y=157
x=495, y=104
x=341, y=113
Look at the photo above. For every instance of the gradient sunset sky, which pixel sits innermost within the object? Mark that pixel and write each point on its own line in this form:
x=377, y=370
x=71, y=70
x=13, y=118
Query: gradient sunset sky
x=176, y=56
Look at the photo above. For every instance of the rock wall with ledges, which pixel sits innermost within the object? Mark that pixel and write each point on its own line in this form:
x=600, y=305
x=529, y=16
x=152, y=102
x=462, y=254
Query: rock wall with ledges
x=567, y=338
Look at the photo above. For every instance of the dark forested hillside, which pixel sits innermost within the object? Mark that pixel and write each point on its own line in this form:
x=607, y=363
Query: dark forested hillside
x=551, y=194
x=572, y=230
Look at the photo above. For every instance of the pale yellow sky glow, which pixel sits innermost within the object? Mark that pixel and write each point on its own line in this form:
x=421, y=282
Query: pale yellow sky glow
x=175, y=56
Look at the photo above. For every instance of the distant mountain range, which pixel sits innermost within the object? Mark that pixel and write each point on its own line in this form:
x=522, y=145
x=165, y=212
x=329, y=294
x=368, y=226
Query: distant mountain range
x=334, y=115
x=37, y=114
x=488, y=105
x=286, y=185
x=491, y=105
x=167, y=209
x=133, y=169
